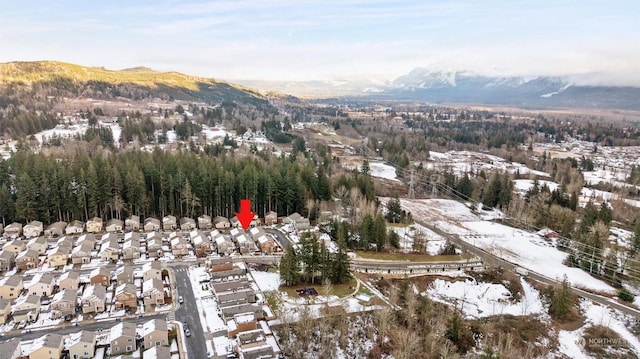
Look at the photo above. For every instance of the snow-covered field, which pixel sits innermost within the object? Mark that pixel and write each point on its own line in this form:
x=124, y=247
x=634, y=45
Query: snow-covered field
x=62, y=131
x=381, y=170
x=479, y=299
x=266, y=281
x=517, y=246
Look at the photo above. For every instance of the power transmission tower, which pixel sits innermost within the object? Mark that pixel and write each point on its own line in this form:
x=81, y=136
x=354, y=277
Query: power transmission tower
x=434, y=189
x=412, y=192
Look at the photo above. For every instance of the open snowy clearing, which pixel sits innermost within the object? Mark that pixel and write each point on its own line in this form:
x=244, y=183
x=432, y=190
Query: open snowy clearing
x=479, y=299
x=526, y=249
x=434, y=242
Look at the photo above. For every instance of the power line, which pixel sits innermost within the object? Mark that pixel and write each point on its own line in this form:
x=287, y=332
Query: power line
x=435, y=184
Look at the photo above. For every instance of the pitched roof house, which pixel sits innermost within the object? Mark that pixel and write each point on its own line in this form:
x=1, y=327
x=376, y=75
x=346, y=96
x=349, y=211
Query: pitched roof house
x=132, y=223
x=33, y=229
x=27, y=309
x=64, y=303
x=42, y=284
x=16, y=246
x=169, y=223
x=38, y=244
x=110, y=248
x=59, y=256
x=100, y=275
x=81, y=254
x=154, y=333
x=113, y=225
x=47, y=346
x=7, y=260
x=87, y=239
x=28, y=259
x=202, y=245
x=94, y=225
x=151, y=224
x=131, y=248
x=154, y=246
x=69, y=280
x=153, y=292
x=221, y=222
x=81, y=344
x=124, y=274
x=14, y=230
x=179, y=246
x=93, y=298
x=5, y=310
x=270, y=218
x=204, y=222
x=125, y=296
x=11, y=349
x=187, y=224
x=55, y=229
x=152, y=270
x=11, y=287
x=75, y=227
x=123, y=338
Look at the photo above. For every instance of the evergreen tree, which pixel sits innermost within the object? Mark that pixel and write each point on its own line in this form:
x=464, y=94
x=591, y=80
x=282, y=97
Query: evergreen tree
x=380, y=233
x=289, y=267
x=309, y=256
x=561, y=300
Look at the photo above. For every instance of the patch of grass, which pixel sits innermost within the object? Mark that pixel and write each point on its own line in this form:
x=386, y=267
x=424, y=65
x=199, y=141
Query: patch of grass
x=273, y=270
x=519, y=332
x=364, y=290
x=412, y=257
x=604, y=342
x=339, y=290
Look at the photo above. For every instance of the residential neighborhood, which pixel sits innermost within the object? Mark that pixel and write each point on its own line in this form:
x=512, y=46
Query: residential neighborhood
x=75, y=274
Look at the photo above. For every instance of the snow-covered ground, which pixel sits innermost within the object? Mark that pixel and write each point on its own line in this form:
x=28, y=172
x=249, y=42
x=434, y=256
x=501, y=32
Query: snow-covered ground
x=381, y=170
x=61, y=131
x=478, y=300
x=434, y=242
x=207, y=305
x=212, y=133
x=526, y=249
x=522, y=186
x=266, y=281
x=572, y=343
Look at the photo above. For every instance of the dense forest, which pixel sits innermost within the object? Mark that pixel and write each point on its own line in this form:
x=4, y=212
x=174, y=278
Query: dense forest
x=48, y=188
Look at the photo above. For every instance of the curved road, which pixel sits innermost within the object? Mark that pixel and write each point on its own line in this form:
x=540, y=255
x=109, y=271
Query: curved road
x=487, y=257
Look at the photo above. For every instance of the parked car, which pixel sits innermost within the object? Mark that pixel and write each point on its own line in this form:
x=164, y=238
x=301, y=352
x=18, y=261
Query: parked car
x=187, y=332
x=180, y=299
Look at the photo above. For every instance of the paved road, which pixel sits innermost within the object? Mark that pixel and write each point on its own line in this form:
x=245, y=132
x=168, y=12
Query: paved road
x=280, y=237
x=491, y=259
x=105, y=325
x=188, y=312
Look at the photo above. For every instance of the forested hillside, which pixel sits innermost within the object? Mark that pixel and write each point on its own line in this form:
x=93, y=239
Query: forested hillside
x=29, y=91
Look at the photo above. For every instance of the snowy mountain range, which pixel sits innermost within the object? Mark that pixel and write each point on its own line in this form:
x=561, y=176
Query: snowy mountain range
x=466, y=87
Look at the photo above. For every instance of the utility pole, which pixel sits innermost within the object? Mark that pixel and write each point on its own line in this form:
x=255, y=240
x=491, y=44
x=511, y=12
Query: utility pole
x=412, y=193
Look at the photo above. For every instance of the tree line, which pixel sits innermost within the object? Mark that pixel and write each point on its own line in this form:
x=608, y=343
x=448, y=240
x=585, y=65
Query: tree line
x=34, y=186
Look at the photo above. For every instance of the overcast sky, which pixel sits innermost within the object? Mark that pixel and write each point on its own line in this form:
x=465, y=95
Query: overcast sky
x=331, y=40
